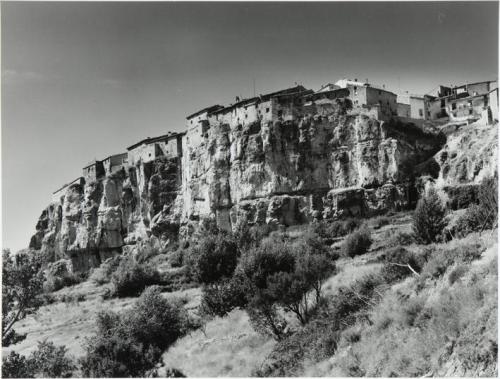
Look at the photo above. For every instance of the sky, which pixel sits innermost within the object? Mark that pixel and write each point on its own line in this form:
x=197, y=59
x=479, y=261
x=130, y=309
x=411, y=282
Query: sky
x=85, y=80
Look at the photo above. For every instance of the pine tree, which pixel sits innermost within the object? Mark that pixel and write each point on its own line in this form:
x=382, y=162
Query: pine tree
x=428, y=220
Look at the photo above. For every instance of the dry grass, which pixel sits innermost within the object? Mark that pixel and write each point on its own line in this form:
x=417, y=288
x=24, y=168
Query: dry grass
x=69, y=323
x=226, y=347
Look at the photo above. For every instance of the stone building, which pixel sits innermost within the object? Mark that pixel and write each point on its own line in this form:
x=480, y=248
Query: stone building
x=270, y=107
x=149, y=149
x=467, y=102
x=113, y=163
x=93, y=171
x=367, y=96
x=61, y=192
x=197, y=125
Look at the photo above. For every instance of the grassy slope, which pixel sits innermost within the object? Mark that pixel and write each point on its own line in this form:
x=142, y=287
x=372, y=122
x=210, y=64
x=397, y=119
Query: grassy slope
x=229, y=347
x=68, y=323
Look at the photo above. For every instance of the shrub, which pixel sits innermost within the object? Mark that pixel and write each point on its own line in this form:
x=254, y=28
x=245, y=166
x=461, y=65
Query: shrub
x=481, y=216
x=356, y=243
x=335, y=229
x=457, y=273
x=379, y=221
x=216, y=258
x=47, y=361
x=131, y=344
x=50, y=361
x=429, y=218
x=131, y=278
x=176, y=258
x=440, y=259
x=103, y=273
x=174, y=373
x=282, y=275
x=248, y=236
x=399, y=263
x=220, y=299
x=399, y=238
x=22, y=285
x=156, y=321
x=16, y=366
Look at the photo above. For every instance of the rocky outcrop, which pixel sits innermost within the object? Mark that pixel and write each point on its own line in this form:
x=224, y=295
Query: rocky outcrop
x=325, y=162
x=90, y=223
x=469, y=156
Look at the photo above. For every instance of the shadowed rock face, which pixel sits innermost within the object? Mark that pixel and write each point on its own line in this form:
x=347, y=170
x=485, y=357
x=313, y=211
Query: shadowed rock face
x=325, y=163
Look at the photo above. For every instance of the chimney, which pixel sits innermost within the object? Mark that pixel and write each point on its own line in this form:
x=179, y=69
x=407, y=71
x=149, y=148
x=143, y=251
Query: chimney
x=355, y=79
x=237, y=98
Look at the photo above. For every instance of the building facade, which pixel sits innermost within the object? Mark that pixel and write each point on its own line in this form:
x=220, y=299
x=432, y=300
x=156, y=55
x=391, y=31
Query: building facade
x=149, y=149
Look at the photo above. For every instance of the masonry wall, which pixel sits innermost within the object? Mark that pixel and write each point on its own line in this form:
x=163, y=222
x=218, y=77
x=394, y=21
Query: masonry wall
x=417, y=108
x=404, y=110
x=144, y=153
x=114, y=163
x=469, y=107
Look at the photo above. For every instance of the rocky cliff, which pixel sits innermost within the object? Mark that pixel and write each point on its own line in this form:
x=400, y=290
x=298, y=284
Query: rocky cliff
x=328, y=161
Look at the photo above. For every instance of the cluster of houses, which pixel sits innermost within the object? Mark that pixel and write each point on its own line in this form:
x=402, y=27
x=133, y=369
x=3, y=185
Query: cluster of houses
x=460, y=104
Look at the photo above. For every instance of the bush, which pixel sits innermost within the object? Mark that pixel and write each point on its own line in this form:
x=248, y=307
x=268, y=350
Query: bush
x=379, y=221
x=429, y=218
x=248, y=236
x=399, y=263
x=220, y=299
x=131, y=278
x=399, y=238
x=131, y=344
x=216, y=258
x=102, y=274
x=48, y=361
x=440, y=259
x=482, y=216
x=280, y=275
x=16, y=366
x=176, y=258
x=356, y=243
x=336, y=229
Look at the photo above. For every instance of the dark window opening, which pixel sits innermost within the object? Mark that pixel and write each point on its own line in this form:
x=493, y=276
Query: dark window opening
x=420, y=112
x=453, y=105
x=267, y=110
x=470, y=111
x=280, y=113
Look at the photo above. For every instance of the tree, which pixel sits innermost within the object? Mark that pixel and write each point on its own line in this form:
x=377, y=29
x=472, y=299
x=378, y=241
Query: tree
x=216, y=258
x=22, y=283
x=429, y=218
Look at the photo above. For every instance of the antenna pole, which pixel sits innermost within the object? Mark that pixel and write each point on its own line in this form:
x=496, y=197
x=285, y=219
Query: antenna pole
x=253, y=87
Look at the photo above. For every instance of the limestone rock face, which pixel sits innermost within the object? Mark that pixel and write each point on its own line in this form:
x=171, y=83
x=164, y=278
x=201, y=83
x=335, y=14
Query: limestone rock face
x=470, y=155
x=290, y=172
x=324, y=162
x=95, y=221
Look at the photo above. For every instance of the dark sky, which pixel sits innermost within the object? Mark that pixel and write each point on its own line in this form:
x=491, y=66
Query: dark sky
x=85, y=80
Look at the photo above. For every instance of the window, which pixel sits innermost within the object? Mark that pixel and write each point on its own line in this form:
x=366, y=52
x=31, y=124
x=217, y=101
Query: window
x=355, y=90
x=380, y=92
x=421, y=112
x=246, y=116
x=191, y=122
x=453, y=105
x=280, y=113
x=470, y=111
x=267, y=110
x=443, y=103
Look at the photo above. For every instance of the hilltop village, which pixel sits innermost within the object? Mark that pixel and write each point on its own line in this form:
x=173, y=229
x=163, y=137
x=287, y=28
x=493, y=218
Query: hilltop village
x=457, y=105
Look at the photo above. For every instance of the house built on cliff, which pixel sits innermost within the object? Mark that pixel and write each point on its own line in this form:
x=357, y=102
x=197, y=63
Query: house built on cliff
x=61, y=192
x=168, y=145
x=365, y=95
x=93, y=171
x=466, y=103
